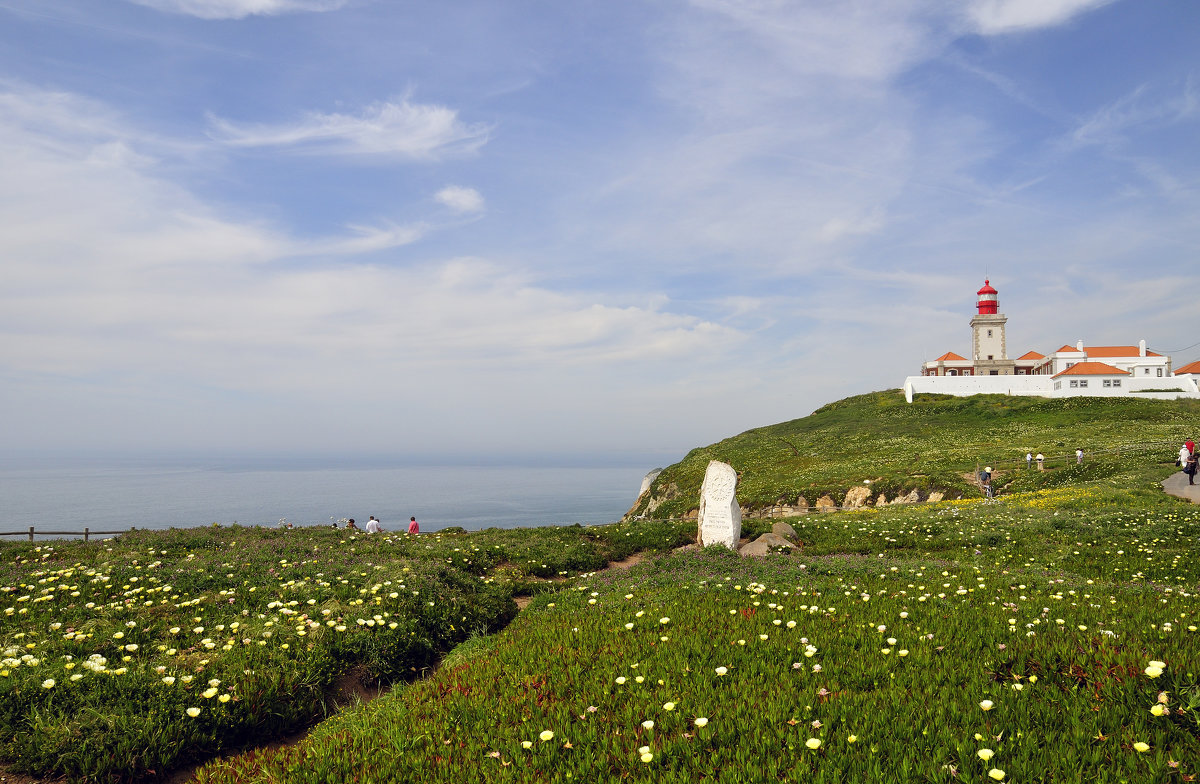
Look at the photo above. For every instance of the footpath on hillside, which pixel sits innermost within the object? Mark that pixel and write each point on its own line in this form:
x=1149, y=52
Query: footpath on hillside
x=1177, y=485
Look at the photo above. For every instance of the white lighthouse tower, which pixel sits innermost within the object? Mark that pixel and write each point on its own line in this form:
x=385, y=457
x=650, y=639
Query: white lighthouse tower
x=988, y=346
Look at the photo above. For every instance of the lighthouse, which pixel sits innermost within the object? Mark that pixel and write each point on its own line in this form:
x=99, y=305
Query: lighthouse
x=988, y=346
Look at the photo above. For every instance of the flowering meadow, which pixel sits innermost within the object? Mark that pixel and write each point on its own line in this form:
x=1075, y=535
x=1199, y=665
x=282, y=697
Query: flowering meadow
x=1047, y=637
x=123, y=658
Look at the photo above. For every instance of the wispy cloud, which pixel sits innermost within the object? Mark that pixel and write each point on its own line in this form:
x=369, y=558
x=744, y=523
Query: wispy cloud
x=400, y=129
x=239, y=9
x=996, y=17
x=1142, y=107
x=460, y=199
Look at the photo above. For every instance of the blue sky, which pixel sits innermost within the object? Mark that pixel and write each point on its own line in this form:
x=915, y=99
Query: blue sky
x=603, y=228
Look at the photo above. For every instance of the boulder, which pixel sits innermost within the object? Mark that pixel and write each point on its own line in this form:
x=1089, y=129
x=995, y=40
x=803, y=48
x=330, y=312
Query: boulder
x=825, y=504
x=911, y=498
x=936, y=496
x=719, y=520
x=881, y=500
x=763, y=544
x=784, y=530
x=857, y=497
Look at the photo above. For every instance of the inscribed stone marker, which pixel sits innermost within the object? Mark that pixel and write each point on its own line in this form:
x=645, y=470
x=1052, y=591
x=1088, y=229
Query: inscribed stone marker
x=720, y=517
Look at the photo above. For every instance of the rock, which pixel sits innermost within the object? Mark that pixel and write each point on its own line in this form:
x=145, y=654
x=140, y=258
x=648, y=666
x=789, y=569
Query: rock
x=857, y=497
x=825, y=504
x=881, y=500
x=935, y=497
x=911, y=498
x=763, y=544
x=648, y=480
x=784, y=530
x=720, y=518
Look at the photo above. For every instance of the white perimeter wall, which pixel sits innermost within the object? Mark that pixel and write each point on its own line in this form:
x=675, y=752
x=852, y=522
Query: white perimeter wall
x=965, y=386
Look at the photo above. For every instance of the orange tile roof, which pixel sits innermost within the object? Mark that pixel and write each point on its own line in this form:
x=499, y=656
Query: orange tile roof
x=1092, y=369
x=949, y=355
x=1193, y=367
x=1067, y=348
x=1031, y=355
x=1117, y=351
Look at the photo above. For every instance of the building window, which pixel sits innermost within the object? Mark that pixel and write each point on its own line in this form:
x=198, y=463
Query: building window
x=1160, y=372
x=1070, y=364
x=989, y=335
x=951, y=372
x=1116, y=382
x=994, y=372
x=990, y=356
x=1107, y=383
x=1147, y=371
x=1082, y=383
x=1058, y=385
x=1074, y=384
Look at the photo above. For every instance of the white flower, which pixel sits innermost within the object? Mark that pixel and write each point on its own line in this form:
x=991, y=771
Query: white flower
x=701, y=721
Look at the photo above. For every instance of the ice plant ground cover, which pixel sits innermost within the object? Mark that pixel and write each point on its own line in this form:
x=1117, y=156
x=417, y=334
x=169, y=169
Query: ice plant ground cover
x=136, y=655
x=1047, y=637
x=935, y=443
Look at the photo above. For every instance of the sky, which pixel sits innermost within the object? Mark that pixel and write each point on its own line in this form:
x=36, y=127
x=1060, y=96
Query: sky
x=597, y=230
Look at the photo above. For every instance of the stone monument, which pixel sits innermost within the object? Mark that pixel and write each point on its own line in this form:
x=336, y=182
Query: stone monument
x=720, y=517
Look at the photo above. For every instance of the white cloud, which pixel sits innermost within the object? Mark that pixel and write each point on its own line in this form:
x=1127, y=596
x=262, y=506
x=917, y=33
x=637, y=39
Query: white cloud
x=995, y=17
x=119, y=285
x=392, y=128
x=239, y=9
x=460, y=199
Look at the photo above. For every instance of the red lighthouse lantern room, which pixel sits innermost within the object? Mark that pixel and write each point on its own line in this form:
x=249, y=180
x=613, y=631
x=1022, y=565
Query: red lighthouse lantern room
x=987, y=299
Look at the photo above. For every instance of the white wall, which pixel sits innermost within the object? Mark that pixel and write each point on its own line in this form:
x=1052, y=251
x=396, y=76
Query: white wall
x=964, y=386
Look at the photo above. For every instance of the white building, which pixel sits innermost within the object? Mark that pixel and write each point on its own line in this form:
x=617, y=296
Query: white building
x=1069, y=371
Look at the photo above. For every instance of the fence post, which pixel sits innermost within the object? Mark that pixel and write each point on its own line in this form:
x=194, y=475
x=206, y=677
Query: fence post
x=85, y=534
x=31, y=533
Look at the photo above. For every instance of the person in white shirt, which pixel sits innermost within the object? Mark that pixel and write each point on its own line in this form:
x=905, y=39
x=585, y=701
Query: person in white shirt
x=1184, y=454
x=373, y=526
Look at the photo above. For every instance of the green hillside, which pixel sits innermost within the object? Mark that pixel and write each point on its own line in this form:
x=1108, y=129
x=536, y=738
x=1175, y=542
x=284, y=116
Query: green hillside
x=933, y=444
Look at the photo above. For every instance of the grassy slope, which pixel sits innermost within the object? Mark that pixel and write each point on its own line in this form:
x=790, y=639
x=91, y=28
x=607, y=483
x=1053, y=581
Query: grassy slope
x=928, y=445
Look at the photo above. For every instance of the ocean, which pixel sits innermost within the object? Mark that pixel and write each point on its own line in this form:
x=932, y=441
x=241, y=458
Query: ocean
x=116, y=498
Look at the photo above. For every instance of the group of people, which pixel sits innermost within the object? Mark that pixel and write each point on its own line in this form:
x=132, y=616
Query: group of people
x=374, y=527
x=1188, y=459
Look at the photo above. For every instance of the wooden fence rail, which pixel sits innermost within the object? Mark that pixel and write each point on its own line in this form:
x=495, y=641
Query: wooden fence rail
x=85, y=533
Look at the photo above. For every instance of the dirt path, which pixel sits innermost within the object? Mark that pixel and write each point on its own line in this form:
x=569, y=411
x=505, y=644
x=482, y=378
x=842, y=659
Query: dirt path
x=628, y=563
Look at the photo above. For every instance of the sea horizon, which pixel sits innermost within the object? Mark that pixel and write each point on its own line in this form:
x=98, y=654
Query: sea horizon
x=116, y=494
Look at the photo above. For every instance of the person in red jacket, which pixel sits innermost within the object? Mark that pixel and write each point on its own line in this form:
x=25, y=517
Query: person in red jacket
x=413, y=528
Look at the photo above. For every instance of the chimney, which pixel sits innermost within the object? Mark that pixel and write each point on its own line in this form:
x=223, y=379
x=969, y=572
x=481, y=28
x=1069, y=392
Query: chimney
x=1079, y=346
x=1141, y=348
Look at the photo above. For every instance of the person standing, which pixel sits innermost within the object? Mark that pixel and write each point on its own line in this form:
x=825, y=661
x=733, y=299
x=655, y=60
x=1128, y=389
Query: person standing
x=1028, y=460
x=1079, y=456
x=1041, y=461
x=1184, y=454
x=1190, y=467
x=1191, y=445
x=413, y=528
x=985, y=479
x=373, y=526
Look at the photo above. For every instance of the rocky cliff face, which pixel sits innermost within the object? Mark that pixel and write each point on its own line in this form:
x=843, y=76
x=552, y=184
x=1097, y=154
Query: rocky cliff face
x=857, y=497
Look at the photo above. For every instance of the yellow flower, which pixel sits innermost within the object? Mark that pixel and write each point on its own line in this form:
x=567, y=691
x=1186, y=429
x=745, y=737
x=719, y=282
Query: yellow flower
x=648, y=724
x=987, y=705
x=851, y=738
x=647, y=757
x=525, y=744
x=193, y=712
x=668, y=706
x=1158, y=709
x=813, y=743
x=1141, y=747
x=985, y=754
x=223, y=698
x=1153, y=671
x=48, y=683
x=701, y=721
x=996, y=773
x=547, y=735
x=722, y=670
